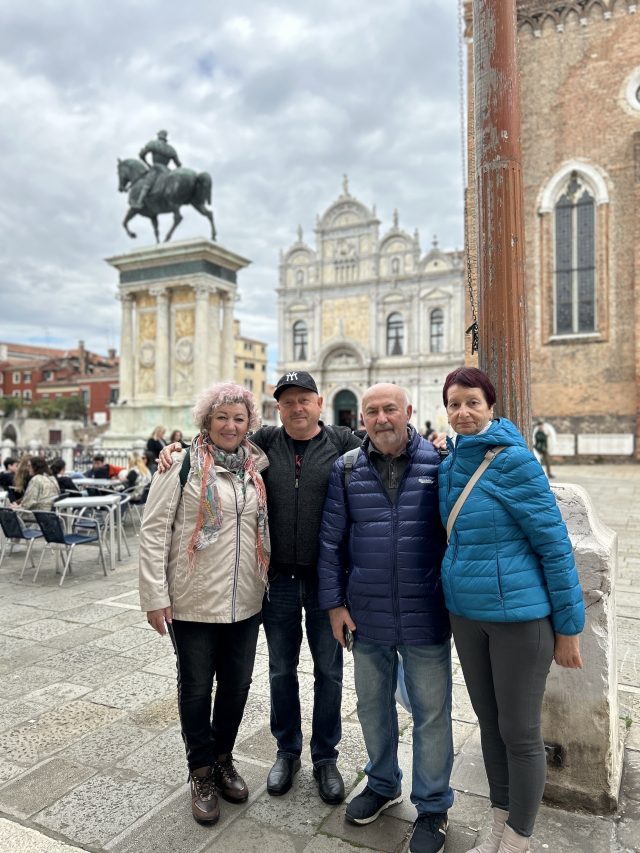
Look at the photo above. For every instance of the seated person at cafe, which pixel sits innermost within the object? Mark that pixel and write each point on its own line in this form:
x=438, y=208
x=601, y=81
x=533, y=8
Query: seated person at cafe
x=65, y=483
x=42, y=489
x=101, y=470
x=6, y=476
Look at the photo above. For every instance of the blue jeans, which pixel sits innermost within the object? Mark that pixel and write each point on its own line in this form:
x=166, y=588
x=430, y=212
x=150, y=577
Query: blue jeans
x=282, y=620
x=428, y=680
x=206, y=650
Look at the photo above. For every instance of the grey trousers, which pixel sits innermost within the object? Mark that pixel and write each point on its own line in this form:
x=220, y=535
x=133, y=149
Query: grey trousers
x=505, y=666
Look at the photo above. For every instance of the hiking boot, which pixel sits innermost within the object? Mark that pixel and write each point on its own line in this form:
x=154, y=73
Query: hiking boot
x=229, y=782
x=429, y=833
x=204, y=802
x=366, y=807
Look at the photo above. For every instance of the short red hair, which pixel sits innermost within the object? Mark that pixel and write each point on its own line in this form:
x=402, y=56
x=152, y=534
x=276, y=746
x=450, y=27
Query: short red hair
x=470, y=377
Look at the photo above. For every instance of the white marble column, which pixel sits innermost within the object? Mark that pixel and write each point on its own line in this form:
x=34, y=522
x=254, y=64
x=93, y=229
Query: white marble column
x=214, y=373
x=201, y=338
x=126, y=371
x=227, y=348
x=162, y=342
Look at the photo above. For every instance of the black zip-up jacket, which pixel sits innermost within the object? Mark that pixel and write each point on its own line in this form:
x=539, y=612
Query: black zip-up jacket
x=295, y=508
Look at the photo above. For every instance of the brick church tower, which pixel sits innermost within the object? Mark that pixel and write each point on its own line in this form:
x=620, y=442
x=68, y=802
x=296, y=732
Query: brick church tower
x=580, y=95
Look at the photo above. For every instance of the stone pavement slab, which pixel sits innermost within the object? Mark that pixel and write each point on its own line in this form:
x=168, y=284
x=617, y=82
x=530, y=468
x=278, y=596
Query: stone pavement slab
x=15, y=838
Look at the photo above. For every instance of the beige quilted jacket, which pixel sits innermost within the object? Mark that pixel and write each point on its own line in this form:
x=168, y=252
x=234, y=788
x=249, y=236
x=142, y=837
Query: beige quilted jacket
x=223, y=584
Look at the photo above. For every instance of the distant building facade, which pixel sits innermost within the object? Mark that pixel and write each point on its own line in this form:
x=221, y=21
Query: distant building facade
x=32, y=376
x=359, y=308
x=580, y=103
x=250, y=362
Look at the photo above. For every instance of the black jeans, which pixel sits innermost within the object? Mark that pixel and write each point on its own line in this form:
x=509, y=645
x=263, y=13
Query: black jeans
x=206, y=650
x=505, y=667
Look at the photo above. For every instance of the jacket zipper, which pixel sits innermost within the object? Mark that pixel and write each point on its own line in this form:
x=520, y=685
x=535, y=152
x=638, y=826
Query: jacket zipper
x=237, y=565
x=296, y=485
x=394, y=515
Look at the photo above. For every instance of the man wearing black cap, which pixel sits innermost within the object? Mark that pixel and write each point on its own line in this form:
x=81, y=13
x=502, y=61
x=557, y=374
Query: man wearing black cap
x=301, y=455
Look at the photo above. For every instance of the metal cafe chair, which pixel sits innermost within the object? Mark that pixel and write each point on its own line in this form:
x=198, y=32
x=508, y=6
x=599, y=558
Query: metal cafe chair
x=54, y=533
x=13, y=528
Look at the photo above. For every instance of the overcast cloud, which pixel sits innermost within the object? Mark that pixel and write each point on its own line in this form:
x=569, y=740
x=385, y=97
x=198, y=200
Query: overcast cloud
x=276, y=101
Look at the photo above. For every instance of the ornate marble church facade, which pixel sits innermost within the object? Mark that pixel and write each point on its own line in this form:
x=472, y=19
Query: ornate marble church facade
x=360, y=308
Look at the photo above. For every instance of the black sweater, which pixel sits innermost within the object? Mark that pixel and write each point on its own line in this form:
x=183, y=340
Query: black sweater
x=295, y=514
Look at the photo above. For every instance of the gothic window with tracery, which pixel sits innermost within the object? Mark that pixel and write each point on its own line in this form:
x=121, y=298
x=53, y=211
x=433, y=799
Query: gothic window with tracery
x=436, y=330
x=300, y=277
x=575, y=262
x=395, y=334
x=395, y=266
x=300, y=341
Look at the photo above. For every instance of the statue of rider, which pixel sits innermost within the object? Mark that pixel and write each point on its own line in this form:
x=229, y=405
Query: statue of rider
x=161, y=154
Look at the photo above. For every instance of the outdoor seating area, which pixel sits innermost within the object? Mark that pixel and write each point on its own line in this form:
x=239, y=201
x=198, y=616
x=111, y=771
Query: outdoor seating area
x=97, y=520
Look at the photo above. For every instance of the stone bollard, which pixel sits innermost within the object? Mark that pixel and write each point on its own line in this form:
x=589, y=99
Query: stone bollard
x=66, y=451
x=580, y=712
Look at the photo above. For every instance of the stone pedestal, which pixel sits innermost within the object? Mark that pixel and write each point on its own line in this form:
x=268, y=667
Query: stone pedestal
x=580, y=712
x=177, y=333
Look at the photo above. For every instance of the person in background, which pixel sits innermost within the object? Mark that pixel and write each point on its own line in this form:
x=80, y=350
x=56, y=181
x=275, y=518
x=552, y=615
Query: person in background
x=156, y=442
x=150, y=460
x=137, y=477
x=22, y=476
x=204, y=558
x=541, y=444
x=42, y=488
x=65, y=484
x=176, y=436
x=7, y=476
x=102, y=470
x=513, y=594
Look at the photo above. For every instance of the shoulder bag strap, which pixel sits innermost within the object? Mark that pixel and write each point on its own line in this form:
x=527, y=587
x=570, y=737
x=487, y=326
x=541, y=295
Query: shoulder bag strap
x=489, y=456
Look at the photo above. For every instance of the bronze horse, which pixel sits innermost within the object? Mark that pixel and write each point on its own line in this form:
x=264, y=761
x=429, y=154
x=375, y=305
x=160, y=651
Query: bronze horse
x=171, y=189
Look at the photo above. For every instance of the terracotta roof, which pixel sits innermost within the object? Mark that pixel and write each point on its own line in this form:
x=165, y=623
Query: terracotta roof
x=28, y=349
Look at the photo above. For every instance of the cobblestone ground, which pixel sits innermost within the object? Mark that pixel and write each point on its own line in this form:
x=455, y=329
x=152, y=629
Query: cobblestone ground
x=90, y=748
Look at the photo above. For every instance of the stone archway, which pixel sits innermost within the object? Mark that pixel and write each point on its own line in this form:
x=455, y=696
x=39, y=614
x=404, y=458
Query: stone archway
x=10, y=433
x=345, y=409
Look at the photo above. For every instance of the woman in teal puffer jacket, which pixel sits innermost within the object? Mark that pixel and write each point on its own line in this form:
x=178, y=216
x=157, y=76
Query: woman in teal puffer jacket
x=513, y=594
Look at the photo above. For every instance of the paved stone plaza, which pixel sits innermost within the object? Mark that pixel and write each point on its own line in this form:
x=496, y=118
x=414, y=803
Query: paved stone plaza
x=91, y=756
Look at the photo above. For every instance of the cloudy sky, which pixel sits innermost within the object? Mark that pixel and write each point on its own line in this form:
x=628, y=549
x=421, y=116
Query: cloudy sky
x=275, y=100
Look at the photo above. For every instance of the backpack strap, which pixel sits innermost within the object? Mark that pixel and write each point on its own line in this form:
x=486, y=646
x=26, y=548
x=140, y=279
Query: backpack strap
x=184, y=469
x=349, y=459
x=489, y=456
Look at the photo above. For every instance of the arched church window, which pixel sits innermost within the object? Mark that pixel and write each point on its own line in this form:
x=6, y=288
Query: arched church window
x=300, y=341
x=300, y=277
x=395, y=334
x=575, y=273
x=395, y=266
x=436, y=330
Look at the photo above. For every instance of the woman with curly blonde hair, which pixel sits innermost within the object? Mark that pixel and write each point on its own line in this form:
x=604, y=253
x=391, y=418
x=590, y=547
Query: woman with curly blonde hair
x=204, y=556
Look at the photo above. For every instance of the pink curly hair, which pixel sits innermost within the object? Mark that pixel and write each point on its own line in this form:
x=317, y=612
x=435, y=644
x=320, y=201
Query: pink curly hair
x=220, y=394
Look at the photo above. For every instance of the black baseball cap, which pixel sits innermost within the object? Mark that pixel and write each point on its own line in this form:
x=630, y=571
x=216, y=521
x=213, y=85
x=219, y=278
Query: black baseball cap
x=295, y=379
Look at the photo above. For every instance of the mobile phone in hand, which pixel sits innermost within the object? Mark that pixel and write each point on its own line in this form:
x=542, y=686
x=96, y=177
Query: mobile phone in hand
x=348, y=639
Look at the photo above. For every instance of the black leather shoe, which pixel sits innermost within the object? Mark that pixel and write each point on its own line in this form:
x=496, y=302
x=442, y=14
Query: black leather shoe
x=280, y=777
x=330, y=784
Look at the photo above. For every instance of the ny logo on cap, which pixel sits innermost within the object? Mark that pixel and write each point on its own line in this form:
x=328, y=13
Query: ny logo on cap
x=292, y=377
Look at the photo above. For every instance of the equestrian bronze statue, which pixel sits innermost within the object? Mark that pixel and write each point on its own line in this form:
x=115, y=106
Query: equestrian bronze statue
x=158, y=189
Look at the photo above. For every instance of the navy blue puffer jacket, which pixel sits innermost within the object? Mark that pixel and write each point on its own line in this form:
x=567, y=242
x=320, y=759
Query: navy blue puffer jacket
x=381, y=559
x=509, y=558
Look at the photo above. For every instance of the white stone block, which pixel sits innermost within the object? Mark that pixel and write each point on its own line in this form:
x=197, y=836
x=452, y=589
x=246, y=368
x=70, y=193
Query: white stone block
x=565, y=444
x=606, y=444
x=580, y=710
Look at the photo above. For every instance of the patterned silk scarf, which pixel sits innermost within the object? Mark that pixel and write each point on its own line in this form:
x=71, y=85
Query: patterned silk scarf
x=205, y=456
